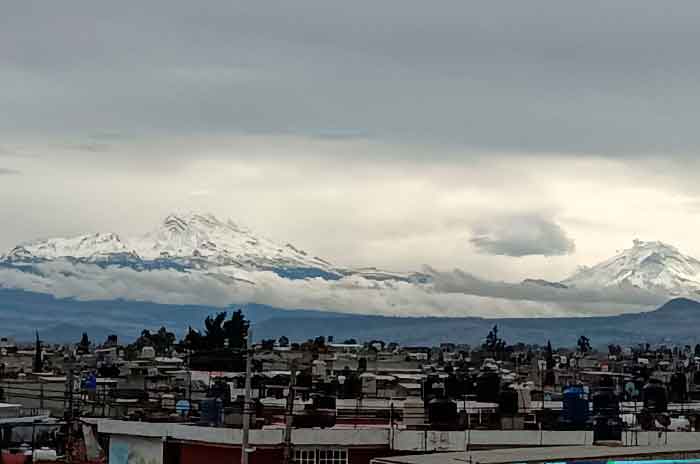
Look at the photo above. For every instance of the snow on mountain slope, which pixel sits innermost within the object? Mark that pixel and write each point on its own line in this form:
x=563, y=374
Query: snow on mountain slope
x=225, y=243
x=88, y=247
x=653, y=266
x=199, y=259
x=191, y=240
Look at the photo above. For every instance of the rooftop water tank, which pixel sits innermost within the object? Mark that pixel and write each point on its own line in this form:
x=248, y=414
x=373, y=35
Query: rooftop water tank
x=678, y=388
x=324, y=402
x=318, y=369
x=442, y=414
x=605, y=402
x=148, y=352
x=211, y=411
x=607, y=429
x=575, y=407
x=488, y=386
x=655, y=397
x=508, y=402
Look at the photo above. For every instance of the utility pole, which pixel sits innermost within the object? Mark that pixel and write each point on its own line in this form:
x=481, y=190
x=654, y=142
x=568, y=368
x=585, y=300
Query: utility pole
x=69, y=366
x=289, y=414
x=246, y=401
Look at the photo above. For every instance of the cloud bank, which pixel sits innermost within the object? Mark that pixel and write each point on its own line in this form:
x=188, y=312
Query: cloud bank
x=449, y=294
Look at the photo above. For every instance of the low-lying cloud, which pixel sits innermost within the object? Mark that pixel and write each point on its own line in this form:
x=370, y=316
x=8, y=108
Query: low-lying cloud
x=9, y=172
x=522, y=235
x=459, y=281
x=453, y=294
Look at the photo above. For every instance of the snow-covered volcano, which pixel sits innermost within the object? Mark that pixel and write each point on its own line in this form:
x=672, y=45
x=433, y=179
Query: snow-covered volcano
x=198, y=259
x=189, y=240
x=653, y=266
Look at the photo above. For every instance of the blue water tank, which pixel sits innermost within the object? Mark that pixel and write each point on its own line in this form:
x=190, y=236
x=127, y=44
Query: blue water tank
x=575, y=406
x=211, y=412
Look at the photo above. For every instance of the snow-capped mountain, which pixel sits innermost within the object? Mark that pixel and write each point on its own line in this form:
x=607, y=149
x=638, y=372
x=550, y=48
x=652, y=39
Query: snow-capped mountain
x=205, y=239
x=653, y=266
x=182, y=240
x=199, y=259
x=90, y=247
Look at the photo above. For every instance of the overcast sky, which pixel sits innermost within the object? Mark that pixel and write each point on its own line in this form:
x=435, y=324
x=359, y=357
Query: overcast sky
x=509, y=139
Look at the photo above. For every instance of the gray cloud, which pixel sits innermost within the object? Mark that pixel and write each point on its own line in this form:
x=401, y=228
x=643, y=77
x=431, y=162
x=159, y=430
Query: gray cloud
x=590, y=77
x=460, y=281
x=453, y=294
x=375, y=124
x=9, y=172
x=522, y=235
x=91, y=147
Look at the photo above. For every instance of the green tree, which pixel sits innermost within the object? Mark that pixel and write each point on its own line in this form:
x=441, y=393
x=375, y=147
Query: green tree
x=584, y=344
x=161, y=341
x=214, y=331
x=236, y=330
x=194, y=340
x=84, y=344
x=494, y=344
x=219, y=332
x=549, y=356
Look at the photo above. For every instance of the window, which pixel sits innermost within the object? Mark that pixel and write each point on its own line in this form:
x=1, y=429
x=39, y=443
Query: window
x=320, y=456
x=332, y=456
x=304, y=456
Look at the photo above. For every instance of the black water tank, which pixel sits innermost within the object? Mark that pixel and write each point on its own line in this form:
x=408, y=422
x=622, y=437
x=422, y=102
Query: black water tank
x=488, y=386
x=314, y=419
x=508, y=402
x=442, y=413
x=678, y=387
x=428, y=390
x=211, y=411
x=607, y=428
x=324, y=402
x=655, y=397
x=606, y=382
x=304, y=379
x=605, y=402
x=220, y=389
x=453, y=387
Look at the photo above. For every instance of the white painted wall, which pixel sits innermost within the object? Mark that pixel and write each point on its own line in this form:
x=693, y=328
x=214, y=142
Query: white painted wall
x=397, y=439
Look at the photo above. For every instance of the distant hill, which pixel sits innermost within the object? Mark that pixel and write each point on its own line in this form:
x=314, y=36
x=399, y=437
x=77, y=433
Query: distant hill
x=675, y=322
x=63, y=320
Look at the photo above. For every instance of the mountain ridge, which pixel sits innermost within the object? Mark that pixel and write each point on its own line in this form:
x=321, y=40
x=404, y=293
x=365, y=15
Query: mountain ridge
x=201, y=240
x=196, y=258
x=654, y=266
x=22, y=312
